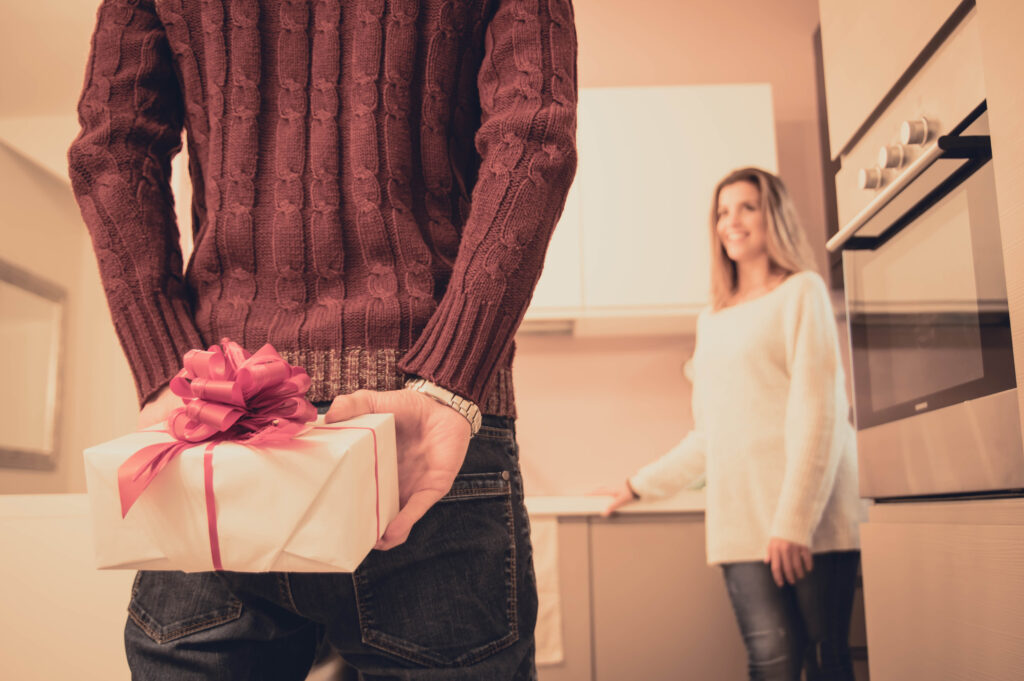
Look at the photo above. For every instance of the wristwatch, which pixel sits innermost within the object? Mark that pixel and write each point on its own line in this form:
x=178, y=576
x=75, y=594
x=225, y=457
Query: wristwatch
x=467, y=408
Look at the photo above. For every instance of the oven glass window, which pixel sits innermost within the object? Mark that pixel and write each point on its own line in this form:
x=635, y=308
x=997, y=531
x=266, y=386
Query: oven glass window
x=929, y=320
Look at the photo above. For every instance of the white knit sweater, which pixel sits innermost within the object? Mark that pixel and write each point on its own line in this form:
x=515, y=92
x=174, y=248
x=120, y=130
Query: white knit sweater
x=770, y=427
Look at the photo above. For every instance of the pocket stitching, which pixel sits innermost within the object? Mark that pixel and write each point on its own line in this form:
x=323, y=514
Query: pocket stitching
x=492, y=433
x=401, y=648
x=477, y=492
x=167, y=633
x=221, y=616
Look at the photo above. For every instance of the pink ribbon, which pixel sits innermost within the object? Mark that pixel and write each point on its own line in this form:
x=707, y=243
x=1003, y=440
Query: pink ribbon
x=229, y=395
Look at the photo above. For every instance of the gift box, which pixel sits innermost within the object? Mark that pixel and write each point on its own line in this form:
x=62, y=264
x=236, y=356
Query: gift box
x=239, y=478
x=314, y=503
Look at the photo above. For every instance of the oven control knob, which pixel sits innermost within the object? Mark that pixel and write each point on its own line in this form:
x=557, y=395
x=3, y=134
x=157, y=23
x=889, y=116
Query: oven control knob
x=891, y=156
x=869, y=178
x=914, y=132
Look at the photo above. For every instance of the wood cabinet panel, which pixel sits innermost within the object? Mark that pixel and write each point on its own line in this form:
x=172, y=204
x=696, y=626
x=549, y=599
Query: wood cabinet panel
x=660, y=612
x=943, y=601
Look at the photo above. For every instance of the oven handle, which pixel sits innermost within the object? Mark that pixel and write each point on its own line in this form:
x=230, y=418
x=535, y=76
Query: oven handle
x=948, y=146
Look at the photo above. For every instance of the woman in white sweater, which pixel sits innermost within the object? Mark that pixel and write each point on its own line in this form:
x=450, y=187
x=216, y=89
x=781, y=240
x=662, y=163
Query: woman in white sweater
x=772, y=435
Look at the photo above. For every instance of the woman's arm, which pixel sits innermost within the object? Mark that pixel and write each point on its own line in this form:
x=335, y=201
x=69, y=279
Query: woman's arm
x=677, y=468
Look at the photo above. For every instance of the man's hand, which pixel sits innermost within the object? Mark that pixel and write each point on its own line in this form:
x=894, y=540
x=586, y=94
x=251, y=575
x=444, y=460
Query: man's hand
x=790, y=561
x=432, y=440
x=159, y=407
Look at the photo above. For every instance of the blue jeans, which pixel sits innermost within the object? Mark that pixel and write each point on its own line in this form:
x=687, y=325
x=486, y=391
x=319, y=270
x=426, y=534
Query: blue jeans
x=457, y=601
x=805, y=625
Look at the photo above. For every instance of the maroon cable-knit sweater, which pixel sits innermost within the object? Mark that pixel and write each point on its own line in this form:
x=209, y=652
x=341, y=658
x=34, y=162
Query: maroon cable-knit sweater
x=375, y=181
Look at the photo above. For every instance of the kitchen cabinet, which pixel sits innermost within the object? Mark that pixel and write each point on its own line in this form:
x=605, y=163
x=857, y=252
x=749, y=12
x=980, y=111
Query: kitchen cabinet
x=867, y=46
x=639, y=601
x=633, y=239
x=660, y=611
x=944, y=588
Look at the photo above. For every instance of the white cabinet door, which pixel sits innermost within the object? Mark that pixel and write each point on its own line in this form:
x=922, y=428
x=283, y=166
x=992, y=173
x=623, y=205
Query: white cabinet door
x=648, y=161
x=559, y=292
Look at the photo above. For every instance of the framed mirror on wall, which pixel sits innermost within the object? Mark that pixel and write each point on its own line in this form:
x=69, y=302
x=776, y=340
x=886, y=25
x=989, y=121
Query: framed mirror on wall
x=32, y=321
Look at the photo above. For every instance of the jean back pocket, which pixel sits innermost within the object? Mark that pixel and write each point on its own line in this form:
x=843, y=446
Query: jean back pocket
x=170, y=605
x=447, y=597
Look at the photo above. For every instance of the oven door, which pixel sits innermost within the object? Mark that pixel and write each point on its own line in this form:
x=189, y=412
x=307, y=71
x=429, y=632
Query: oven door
x=933, y=375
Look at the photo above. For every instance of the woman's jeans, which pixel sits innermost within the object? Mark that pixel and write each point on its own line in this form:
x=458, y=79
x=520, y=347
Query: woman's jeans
x=456, y=601
x=808, y=622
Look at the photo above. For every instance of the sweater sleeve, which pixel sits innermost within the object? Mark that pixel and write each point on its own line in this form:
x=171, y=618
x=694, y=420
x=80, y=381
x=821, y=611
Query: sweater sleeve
x=130, y=113
x=811, y=459
x=526, y=141
x=679, y=467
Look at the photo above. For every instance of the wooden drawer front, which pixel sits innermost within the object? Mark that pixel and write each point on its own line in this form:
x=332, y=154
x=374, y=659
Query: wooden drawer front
x=944, y=601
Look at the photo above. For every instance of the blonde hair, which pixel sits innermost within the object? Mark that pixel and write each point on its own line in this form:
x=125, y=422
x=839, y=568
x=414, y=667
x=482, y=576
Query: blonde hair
x=788, y=248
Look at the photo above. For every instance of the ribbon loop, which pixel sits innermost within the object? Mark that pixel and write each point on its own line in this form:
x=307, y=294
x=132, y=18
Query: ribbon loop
x=229, y=395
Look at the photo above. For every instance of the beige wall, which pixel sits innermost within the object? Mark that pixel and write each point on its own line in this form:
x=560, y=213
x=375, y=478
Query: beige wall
x=42, y=232
x=592, y=410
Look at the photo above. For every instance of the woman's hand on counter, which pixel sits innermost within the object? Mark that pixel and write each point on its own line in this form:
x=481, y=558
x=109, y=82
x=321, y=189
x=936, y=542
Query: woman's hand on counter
x=621, y=495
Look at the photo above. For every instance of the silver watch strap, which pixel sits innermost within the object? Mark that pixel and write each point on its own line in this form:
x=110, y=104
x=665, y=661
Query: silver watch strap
x=467, y=408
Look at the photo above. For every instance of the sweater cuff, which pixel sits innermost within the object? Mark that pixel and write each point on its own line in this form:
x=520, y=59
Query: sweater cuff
x=645, y=487
x=793, y=529
x=155, y=335
x=462, y=345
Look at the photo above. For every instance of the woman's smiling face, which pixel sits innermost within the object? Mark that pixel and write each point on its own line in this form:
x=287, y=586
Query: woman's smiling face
x=741, y=223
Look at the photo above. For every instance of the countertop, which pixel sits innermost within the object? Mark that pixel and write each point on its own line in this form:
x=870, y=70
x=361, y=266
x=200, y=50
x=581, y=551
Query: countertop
x=689, y=501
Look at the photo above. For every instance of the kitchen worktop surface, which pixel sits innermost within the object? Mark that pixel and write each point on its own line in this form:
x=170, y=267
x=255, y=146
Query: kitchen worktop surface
x=690, y=501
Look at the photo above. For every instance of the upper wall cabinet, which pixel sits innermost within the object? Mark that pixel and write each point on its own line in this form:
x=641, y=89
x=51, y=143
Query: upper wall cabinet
x=867, y=46
x=634, y=237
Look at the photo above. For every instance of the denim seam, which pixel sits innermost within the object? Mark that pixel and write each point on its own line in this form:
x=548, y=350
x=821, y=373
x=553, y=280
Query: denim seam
x=491, y=433
x=284, y=586
x=472, y=492
x=511, y=578
x=165, y=634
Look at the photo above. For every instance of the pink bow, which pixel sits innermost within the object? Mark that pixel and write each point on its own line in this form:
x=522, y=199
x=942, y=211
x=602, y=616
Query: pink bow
x=229, y=395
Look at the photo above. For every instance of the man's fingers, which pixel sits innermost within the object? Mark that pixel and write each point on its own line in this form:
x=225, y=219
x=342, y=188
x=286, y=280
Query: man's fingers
x=398, y=529
x=349, y=406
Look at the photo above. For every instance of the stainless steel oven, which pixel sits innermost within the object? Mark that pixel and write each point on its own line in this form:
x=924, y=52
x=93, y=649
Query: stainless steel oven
x=935, y=396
